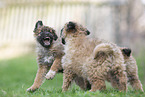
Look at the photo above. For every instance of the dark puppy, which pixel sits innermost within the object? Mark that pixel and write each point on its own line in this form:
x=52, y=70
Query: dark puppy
x=49, y=51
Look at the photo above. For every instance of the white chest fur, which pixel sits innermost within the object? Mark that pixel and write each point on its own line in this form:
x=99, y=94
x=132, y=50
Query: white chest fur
x=49, y=59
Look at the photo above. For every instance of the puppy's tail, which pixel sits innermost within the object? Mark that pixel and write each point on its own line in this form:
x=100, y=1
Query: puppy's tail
x=105, y=49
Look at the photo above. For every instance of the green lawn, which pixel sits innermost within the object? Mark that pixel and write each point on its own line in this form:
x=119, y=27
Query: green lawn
x=17, y=74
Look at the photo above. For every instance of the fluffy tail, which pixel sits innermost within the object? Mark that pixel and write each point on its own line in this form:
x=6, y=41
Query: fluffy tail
x=104, y=48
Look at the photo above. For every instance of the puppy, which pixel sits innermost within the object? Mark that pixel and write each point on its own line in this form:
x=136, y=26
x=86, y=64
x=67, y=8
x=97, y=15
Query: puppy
x=82, y=83
x=131, y=69
x=91, y=59
x=49, y=51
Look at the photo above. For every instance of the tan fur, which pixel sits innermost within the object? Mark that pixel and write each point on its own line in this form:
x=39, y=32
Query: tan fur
x=40, y=76
x=57, y=51
x=132, y=72
x=79, y=61
x=56, y=64
x=131, y=68
x=46, y=56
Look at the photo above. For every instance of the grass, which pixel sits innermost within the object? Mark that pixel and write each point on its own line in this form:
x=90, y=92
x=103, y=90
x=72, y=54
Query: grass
x=17, y=74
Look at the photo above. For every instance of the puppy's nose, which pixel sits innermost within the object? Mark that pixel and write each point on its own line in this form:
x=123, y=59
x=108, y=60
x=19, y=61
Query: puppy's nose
x=71, y=25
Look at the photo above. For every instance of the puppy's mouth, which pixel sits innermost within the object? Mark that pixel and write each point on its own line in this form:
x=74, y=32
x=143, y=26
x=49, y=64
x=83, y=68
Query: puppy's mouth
x=46, y=41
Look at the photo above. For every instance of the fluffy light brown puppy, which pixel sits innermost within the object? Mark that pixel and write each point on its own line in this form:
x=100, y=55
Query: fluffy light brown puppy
x=91, y=59
x=56, y=67
x=131, y=69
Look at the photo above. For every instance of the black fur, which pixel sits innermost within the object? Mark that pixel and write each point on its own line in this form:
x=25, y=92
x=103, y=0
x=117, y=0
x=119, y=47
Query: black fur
x=127, y=51
x=60, y=71
x=88, y=32
x=61, y=32
x=37, y=25
x=45, y=36
x=54, y=35
x=71, y=25
x=63, y=40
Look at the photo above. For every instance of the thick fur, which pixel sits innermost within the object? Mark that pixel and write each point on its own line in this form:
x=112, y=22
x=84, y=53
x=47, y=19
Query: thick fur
x=131, y=66
x=131, y=69
x=49, y=57
x=79, y=60
x=47, y=53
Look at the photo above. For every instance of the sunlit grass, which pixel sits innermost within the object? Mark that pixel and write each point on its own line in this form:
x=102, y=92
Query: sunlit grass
x=17, y=74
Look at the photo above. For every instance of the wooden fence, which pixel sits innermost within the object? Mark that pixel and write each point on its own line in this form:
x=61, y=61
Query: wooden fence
x=18, y=18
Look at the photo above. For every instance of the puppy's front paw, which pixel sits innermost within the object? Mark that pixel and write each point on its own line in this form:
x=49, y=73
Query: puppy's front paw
x=50, y=75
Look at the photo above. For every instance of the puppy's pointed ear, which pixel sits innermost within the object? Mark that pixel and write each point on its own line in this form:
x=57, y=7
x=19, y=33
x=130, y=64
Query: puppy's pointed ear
x=87, y=32
x=38, y=25
x=54, y=35
x=127, y=51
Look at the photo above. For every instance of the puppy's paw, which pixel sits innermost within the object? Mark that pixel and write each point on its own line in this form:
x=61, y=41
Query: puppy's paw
x=31, y=89
x=50, y=75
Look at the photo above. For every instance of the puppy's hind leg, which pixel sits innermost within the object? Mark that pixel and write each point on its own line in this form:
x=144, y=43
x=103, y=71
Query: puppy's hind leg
x=132, y=74
x=68, y=77
x=83, y=83
x=119, y=80
x=98, y=84
x=135, y=82
x=133, y=78
x=40, y=76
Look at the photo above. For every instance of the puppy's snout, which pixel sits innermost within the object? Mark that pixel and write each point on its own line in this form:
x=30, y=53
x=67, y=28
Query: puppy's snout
x=71, y=25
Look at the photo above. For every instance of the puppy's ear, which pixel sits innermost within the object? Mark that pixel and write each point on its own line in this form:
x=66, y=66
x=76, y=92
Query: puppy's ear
x=54, y=35
x=38, y=25
x=87, y=32
x=127, y=51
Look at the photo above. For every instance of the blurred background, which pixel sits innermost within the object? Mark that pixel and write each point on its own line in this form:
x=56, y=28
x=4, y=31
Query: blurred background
x=119, y=21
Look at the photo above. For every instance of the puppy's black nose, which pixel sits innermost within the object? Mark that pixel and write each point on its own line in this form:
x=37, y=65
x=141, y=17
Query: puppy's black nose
x=71, y=25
